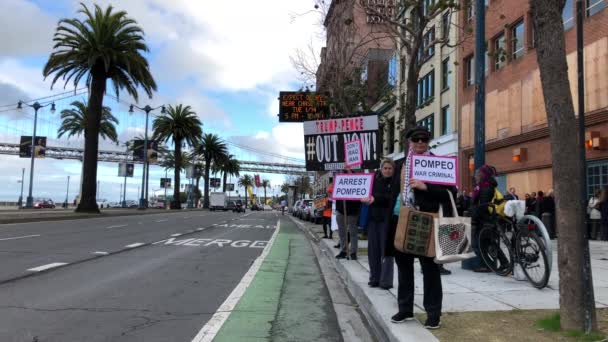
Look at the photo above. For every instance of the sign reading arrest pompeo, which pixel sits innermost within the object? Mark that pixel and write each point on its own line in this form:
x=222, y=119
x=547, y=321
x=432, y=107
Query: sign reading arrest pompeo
x=435, y=169
x=352, y=186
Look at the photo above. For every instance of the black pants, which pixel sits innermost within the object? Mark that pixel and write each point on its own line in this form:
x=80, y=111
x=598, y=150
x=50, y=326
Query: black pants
x=433, y=293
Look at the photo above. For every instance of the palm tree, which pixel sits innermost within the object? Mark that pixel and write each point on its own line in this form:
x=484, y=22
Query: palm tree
x=168, y=161
x=105, y=45
x=181, y=125
x=265, y=184
x=246, y=181
x=212, y=149
x=228, y=166
x=74, y=122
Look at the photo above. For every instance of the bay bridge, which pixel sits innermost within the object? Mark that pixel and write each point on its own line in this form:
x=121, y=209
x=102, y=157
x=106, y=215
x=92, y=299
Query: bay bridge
x=14, y=123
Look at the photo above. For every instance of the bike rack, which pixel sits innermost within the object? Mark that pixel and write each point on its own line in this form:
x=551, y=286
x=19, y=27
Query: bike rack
x=545, y=235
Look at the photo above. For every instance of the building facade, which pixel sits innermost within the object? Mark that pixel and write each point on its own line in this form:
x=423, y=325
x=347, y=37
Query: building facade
x=517, y=135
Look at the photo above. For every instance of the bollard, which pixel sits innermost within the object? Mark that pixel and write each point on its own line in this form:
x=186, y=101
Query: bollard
x=548, y=221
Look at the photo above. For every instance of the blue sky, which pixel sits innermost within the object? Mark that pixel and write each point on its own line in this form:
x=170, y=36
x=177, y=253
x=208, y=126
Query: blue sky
x=228, y=60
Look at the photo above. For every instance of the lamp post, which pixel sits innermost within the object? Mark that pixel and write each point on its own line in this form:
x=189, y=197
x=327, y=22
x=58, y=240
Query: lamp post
x=124, y=187
x=20, y=203
x=143, y=201
x=67, y=194
x=165, y=205
x=30, y=200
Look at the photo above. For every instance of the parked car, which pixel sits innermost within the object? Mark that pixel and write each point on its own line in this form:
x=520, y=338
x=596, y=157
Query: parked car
x=256, y=207
x=239, y=207
x=158, y=204
x=231, y=205
x=307, y=210
x=41, y=203
x=296, y=208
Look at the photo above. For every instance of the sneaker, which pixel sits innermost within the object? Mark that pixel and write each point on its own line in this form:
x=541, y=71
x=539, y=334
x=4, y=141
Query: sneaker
x=444, y=271
x=401, y=317
x=353, y=257
x=341, y=255
x=337, y=246
x=373, y=284
x=325, y=236
x=432, y=322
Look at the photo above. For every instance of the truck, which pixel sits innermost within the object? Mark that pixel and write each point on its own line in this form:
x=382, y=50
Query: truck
x=217, y=201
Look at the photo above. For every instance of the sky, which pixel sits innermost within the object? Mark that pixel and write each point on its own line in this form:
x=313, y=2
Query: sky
x=226, y=59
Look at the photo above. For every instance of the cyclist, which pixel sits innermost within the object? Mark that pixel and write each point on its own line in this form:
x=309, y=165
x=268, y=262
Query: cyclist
x=283, y=205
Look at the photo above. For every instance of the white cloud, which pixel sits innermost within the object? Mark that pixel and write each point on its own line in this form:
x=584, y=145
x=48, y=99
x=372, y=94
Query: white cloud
x=286, y=140
x=25, y=29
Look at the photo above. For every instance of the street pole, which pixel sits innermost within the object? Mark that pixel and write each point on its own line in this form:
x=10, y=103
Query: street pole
x=67, y=193
x=124, y=186
x=166, y=189
x=21, y=196
x=98, y=192
x=588, y=296
x=120, y=195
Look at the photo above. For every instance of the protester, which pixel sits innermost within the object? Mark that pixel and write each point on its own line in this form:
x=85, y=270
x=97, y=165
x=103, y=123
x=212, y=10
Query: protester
x=511, y=195
x=593, y=210
x=349, y=227
x=327, y=211
x=531, y=203
x=604, y=214
x=483, y=194
x=425, y=197
x=539, y=204
x=381, y=204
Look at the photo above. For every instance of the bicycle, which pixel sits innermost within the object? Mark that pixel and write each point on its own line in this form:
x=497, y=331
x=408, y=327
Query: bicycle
x=506, y=242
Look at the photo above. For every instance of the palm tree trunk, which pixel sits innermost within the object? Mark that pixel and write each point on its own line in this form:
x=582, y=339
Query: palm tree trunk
x=206, y=175
x=178, y=166
x=225, y=176
x=196, y=199
x=88, y=202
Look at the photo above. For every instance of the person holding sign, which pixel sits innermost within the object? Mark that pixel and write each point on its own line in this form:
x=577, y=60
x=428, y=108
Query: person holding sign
x=381, y=205
x=346, y=217
x=426, y=197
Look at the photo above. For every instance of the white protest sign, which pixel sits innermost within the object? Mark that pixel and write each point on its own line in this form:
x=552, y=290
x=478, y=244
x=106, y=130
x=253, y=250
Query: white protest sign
x=434, y=169
x=353, y=153
x=352, y=186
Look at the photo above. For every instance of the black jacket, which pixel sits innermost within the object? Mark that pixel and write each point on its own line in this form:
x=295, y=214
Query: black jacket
x=384, y=202
x=352, y=207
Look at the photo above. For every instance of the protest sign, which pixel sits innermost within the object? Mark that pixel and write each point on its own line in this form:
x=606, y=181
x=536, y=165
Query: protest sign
x=352, y=186
x=353, y=153
x=434, y=169
x=320, y=203
x=324, y=141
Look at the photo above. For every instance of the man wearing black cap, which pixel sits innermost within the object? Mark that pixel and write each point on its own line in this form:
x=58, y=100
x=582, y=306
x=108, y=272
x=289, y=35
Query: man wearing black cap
x=424, y=197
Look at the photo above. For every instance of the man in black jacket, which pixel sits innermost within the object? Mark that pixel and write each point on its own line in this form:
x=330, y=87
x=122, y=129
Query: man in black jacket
x=347, y=216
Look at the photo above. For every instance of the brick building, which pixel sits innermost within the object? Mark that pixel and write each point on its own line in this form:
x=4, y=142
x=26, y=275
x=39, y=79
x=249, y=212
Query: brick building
x=517, y=136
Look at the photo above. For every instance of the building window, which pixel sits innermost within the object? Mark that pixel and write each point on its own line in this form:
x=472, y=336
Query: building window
x=445, y=120
x=597, y=176
x=391, y=136
x=445, y=74
x=470, y=10
x=364, y=74
x=486, y=61
x=594, y=6
x=469, y=71
x=568, y=15
x=429, y=123
x=425, y=88
x=517, y=36
x=500, y=56
x=427, y=7
x=445, y=26
x=392, y=70
x=427, y=48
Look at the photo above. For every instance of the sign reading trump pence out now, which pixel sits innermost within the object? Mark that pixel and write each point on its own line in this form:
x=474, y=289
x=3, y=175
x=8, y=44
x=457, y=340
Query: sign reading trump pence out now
x=352, y=186
x=434, y=169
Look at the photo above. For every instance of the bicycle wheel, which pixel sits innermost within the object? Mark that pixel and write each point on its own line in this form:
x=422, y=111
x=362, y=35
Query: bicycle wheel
x=532, y=256
x=495, y=250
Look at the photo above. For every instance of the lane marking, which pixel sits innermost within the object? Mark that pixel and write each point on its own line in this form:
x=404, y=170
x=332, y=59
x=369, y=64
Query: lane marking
x=19, y=237
x=47, y=266
x=100, y=253
x=175, y=235
x=186, y=217
x=200, y=229
x=165, y=220
x=133, y=245
x=117, y=226
x=215, y=323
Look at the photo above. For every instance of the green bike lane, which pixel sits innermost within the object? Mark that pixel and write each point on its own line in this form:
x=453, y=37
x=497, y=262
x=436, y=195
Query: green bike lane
x=287, y=300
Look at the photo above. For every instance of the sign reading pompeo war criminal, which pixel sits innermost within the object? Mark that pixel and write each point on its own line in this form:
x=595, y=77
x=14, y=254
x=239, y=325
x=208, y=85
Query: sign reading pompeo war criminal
x=324, y=142
x=435, y=169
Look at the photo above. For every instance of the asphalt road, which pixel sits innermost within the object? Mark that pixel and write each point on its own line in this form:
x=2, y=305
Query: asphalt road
x=124, y=278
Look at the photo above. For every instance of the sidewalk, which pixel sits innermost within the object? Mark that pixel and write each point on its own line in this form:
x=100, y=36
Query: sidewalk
x=464, y=291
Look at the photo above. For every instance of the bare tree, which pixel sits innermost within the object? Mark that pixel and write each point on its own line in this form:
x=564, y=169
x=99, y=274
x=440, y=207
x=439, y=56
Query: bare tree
x=567, y=175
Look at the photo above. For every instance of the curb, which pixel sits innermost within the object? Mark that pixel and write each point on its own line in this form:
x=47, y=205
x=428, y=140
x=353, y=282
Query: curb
x=379, y=322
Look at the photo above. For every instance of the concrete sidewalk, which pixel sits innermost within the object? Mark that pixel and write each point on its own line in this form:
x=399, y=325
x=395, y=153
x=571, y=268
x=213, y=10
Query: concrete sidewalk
x=464, y=291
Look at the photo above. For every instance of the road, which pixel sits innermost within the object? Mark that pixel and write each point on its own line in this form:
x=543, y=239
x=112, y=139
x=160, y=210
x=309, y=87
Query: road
x=133, y=278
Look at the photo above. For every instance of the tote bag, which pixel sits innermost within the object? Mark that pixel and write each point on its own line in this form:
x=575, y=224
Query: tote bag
x=452, y=236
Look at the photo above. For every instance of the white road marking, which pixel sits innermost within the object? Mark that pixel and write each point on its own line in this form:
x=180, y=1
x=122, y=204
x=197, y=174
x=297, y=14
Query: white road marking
x=133, y=245
x=101, y=253
x=199, y=229
x=209, y=330
x=186, y=217
x=117, y=226
x=175, y=235
x=47, y=266
x=19, y=237
x=165, y=220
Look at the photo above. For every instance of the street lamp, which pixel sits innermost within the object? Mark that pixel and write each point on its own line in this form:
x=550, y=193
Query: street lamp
x=124, y=187
x=20, y=204
x=143, y=201
x=30, y=200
